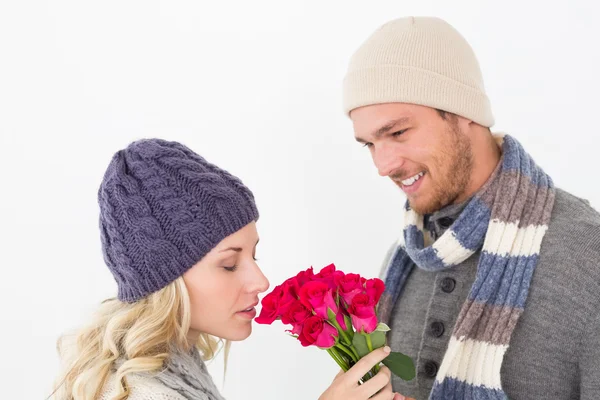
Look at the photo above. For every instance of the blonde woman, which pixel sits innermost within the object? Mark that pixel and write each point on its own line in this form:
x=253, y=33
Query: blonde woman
x=179, y=236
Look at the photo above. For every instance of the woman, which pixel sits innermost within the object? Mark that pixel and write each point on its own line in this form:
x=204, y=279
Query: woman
x=179, y=236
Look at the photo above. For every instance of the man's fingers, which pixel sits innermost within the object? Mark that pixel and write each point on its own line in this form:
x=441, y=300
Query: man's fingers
x=385, y=394
x=363, y=365
x=381, y=381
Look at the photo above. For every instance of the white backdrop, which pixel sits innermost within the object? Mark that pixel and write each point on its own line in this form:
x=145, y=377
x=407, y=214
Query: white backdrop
x=255, y=87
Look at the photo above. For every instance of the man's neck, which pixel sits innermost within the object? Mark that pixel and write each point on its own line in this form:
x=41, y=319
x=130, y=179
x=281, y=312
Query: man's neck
x=486, y=157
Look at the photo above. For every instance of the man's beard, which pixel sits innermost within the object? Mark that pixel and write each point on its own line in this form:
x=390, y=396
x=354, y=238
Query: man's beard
x=455, y=164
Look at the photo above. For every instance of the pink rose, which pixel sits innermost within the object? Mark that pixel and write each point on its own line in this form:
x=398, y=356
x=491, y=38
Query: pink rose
x=375, y=288
x=349, y=285
x=317, y=296
x=318, y=332
x=362, y=312
x=328, y=275
x=340, y=319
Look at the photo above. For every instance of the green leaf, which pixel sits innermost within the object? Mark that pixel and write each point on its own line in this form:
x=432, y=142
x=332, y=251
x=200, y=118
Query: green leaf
x=377, y=339
x=360, y=344
x=381, y=327
x=349, y=328
x=359, y=341
x=401, y=365
x=330, y=314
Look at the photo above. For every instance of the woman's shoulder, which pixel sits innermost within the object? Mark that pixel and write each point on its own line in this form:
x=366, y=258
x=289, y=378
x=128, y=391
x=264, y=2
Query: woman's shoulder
x=142, y=387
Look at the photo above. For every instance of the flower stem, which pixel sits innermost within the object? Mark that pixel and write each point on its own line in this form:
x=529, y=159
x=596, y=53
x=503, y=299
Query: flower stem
x=369, y=343
x=337, y=360
x=347, y=361
x=355, y=352
x=346, y=350
x=345, y=336
x=376, y=368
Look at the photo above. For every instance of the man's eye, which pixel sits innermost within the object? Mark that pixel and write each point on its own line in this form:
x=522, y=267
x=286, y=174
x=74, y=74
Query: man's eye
x=230, y=269
x=398, y=133
x=367, y=144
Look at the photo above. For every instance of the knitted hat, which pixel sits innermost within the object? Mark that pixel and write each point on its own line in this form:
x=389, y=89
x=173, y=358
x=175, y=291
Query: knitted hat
x=418, y=60
x=163, y=208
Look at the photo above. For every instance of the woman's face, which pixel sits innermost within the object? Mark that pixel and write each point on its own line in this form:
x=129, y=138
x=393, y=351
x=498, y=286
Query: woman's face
x=224, y=287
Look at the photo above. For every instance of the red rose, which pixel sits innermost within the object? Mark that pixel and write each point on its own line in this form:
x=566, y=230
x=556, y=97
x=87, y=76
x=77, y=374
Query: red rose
x=292, y=286
x=328, y=275
x=296, y=316
x=290, y=294
x=317, y=296
x=375, y=288
x=305, y=276
x=362, y=312
x=270, y=307
x=318, y=332
x=349, y=285
x=326, y=271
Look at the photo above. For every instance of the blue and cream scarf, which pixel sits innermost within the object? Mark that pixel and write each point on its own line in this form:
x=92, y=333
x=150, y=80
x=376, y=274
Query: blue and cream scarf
x=506, y=220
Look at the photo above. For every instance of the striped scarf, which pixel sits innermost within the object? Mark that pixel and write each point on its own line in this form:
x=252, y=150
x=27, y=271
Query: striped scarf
x=507, y=220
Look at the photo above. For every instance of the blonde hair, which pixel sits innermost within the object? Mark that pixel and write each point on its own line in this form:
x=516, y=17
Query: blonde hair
x=141, y=334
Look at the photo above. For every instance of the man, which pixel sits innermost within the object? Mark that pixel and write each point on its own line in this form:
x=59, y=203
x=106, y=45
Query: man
x=494, y=287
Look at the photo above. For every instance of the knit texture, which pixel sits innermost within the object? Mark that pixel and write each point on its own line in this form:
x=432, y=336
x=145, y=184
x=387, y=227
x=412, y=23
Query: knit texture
x=162, y=208
x=184, y=378
x=187, y=375
x=142, y=387
x=506, y=220
x=555, y=347
x=418, y=60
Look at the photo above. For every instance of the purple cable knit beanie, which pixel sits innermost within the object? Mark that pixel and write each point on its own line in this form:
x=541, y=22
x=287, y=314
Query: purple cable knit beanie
x=163, y=208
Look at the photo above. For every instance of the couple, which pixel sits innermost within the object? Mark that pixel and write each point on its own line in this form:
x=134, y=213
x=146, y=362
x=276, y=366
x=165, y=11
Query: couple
x=493, y=288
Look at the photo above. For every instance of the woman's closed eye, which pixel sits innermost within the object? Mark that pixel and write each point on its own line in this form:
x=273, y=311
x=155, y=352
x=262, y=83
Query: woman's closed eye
x=235, y=267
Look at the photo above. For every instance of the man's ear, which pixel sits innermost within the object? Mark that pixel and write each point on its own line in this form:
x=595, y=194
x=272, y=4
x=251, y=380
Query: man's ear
x=465, y=124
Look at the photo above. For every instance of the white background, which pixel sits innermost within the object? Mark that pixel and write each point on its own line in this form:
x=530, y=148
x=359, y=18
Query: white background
x=254, y=87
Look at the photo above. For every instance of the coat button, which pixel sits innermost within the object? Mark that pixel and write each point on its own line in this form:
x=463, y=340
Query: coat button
x=430, y=369
x=436, y=328
x=447, y=285
x=445, y=222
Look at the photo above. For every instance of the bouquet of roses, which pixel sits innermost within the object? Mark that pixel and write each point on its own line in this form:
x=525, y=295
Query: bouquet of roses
x=334, y=311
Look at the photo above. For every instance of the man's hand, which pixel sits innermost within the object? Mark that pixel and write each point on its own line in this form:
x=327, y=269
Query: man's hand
x=345, y=385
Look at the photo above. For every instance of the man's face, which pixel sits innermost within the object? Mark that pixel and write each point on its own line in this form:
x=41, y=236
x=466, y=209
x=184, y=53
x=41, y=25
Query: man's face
x=428, y=157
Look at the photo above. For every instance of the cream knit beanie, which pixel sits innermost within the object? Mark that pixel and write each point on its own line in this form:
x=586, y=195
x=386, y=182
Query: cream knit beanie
x=418, y=60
